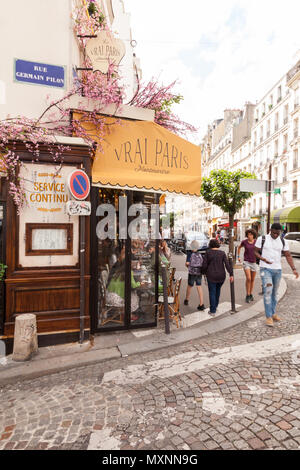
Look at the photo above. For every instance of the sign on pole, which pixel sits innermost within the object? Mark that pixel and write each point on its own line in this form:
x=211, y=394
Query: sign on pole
x=79, y=208
x=256, y=186
x=79, y=185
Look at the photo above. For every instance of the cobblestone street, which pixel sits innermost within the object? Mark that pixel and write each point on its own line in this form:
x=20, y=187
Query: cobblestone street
x=239, y=389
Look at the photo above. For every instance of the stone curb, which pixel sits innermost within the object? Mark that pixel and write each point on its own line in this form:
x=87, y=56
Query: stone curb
x=190, y=334
x=32, y=370
x=35, y=369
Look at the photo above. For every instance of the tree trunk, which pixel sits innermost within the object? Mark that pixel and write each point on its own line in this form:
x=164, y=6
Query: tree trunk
x=231, y=238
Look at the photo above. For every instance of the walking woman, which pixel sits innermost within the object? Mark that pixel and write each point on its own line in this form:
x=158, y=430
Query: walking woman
x=249, y=265
x=214, y=263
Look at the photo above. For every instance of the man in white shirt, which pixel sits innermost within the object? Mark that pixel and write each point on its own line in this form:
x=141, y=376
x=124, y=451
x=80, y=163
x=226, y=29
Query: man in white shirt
x=271, y=270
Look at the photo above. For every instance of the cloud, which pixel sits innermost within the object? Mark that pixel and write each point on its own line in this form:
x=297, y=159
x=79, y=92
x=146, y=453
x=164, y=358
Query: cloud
x=222, y=52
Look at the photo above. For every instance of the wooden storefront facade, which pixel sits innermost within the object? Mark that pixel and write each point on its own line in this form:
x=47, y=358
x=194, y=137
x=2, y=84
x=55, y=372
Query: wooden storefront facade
x=52, y=292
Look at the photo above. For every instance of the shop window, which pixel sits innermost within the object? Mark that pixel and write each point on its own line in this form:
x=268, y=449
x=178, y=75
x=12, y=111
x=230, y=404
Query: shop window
x=127, y=268
x=49, y=239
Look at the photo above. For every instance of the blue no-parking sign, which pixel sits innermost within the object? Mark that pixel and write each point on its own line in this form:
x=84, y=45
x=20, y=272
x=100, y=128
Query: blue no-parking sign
x=79, y=185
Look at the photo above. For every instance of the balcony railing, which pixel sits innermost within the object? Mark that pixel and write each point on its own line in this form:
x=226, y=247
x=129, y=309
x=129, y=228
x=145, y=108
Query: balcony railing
x=296, y=133
x=268, y=133
x=276, y=127
x=285, y=121
x=291, y=73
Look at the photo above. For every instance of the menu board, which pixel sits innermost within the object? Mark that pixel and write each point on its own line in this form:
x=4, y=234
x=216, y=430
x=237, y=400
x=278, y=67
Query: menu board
x=49, y=239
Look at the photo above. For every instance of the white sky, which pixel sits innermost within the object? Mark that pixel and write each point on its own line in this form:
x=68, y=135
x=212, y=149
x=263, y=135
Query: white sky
x=223, y=52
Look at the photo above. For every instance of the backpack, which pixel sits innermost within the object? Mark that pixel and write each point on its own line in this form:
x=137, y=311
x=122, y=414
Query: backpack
x=196, y=262
x=262, y=245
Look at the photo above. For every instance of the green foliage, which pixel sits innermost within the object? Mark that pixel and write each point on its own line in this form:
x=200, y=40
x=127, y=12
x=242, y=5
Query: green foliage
x=2, y=270
x=95, y=13
x=167, y=104
x=222, y=188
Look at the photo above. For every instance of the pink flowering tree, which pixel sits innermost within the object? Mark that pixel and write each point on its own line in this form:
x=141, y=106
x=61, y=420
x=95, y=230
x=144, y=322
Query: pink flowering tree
x=161, y=99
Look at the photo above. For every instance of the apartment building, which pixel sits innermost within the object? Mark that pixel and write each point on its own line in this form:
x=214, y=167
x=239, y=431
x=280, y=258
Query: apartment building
x=259, y=137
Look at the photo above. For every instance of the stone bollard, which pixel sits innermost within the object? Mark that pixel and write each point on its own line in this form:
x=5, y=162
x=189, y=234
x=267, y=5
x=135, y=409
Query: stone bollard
x=25, y=339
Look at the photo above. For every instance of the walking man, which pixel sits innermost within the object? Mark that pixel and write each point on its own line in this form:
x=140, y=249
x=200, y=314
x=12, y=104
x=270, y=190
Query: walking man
x=268, y=250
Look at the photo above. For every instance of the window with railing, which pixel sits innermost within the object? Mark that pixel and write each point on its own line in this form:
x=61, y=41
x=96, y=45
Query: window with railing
x=276, y=126
x=279, y=94
x=295, y=160
x=295, y=190
x=284, y=198
x=276, y=149
x=296, y=133
x=284, y=172
x=285, y=143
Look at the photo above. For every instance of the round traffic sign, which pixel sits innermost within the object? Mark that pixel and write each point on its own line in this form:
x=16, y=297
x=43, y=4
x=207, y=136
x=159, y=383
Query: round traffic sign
x=79, y=185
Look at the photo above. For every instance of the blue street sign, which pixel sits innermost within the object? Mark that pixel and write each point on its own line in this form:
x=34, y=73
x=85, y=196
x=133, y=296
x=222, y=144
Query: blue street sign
x=40, y=74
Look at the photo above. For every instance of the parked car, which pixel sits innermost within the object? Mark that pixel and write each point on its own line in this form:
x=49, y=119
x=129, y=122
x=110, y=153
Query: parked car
x=178, y=242
x=200, y=237
x=293, y=239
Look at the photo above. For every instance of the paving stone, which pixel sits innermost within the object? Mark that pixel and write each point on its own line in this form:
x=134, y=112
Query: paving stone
x=237, y=427
x=284, y=425
x=256, y=443
x=264, y=435
x=241, y=445
x=211, y=445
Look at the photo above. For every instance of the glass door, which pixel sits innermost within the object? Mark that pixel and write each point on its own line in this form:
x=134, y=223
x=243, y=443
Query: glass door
x=124, y=269
x=144, y=261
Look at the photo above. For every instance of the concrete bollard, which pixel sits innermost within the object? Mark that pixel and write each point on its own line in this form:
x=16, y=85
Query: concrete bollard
x=25, y=339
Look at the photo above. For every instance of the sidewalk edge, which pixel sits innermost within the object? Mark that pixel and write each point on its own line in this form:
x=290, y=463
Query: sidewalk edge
x=32, y=370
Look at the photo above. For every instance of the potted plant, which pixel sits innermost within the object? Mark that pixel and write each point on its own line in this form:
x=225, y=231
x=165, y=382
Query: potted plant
x=2, y=271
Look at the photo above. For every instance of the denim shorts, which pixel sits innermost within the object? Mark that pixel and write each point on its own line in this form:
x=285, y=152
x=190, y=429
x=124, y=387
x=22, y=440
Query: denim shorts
x=195, y=278
x=251, y=266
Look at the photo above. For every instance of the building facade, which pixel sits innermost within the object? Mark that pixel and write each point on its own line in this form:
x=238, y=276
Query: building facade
x=77, y=277
x=42, y=253
x=263, y=137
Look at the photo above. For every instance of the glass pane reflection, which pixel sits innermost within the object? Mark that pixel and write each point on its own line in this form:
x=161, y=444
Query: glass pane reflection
x=143, y=281
x=111, y=284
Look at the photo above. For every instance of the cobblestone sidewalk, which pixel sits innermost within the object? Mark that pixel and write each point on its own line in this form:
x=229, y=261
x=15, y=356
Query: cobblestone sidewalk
x=239, y=404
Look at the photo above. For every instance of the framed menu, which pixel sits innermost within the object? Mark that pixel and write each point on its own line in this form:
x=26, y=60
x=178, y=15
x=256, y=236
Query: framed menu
x=49, y=239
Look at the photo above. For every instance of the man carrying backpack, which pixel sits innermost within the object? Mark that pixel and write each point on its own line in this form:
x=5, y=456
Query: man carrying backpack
x=268, y=250
x=194, y=263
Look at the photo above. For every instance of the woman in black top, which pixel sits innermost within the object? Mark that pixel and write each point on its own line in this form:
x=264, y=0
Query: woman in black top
x=214, y=263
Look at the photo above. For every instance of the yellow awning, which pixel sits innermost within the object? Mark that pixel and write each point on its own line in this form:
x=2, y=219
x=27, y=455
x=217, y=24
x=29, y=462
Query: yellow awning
x=144, y=155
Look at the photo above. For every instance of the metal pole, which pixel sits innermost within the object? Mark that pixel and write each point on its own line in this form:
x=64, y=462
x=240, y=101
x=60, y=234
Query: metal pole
x=82, y=287
x=166, y=304
x=232, y=291
x=269, y=198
